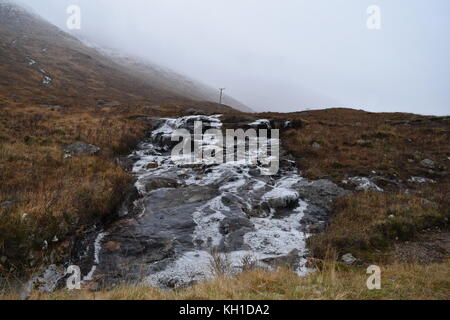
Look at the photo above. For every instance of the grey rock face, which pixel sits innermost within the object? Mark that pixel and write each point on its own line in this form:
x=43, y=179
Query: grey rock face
x=348, y=259
x=427, y=163
x=320, y=193
x=232, y=224
x=79, y=149
x=365, y=184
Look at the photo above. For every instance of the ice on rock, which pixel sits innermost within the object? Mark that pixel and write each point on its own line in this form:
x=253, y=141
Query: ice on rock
x=239, y=189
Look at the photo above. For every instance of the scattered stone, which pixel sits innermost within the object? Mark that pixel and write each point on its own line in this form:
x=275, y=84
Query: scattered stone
x=348, y=259
x=320, y=193
x=261, y=124
x=365, y=184
x=364, y=143
x=48, y=282
x=47, y=80
x=80, y=149
x=427, y=163
x=51, y=107
x=6, y=204
x=420, y=180
x=430, y=204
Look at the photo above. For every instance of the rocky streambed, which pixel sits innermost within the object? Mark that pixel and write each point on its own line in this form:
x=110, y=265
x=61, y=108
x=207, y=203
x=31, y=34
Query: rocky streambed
x=190, y=222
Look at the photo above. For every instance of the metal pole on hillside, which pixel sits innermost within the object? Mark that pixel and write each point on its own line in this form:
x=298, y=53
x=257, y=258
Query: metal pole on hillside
x=221, y=94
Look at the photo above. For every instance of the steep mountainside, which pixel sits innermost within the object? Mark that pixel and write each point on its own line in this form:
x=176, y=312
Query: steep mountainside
x=165, y=78
x=40, y=64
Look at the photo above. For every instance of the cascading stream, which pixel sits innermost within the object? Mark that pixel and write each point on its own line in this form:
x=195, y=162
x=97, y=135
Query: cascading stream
x=189, y=211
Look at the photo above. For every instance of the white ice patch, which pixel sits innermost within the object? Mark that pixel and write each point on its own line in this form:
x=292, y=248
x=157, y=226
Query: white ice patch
x=192, y=266
x=365, y=184
x=170, y=125
x=207, y=229
x=261, y=122
x=277, y=237
x=421, y=180
x=47, y=80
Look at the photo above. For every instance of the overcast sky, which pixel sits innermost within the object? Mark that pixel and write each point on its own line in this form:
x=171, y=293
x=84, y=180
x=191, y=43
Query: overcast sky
x=285, y=55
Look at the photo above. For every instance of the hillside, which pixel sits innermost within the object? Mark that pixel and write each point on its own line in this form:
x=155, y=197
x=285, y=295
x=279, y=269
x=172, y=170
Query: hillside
x=164, y=78
x=88, y=179
x=43, y=65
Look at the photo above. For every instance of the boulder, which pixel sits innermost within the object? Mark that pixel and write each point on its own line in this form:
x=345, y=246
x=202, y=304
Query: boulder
x=232, y=224
x=348, y=259
x=79, y=149
x=427, y=163
x=320, y=193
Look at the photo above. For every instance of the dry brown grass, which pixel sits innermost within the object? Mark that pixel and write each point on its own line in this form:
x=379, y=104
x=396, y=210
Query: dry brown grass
x=356, y=143
x=367, y=224
x=399, y=281
x=51, y=196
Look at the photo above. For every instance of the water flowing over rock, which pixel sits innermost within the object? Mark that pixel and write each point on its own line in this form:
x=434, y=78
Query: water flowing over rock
x=185, y=213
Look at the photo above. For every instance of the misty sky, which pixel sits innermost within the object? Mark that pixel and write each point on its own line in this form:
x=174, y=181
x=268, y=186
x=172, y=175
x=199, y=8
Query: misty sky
x=286, y=55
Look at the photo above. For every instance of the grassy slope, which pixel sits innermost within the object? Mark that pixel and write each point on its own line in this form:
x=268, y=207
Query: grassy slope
x=399, y=281
x=365, y=224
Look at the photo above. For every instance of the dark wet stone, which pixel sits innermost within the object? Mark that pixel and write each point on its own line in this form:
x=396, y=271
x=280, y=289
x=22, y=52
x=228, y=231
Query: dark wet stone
x=234, y=241
x=320, y=193
x=79, y=149
x=232, y=224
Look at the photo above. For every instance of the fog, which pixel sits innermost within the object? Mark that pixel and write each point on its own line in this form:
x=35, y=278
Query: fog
x=285, y=55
